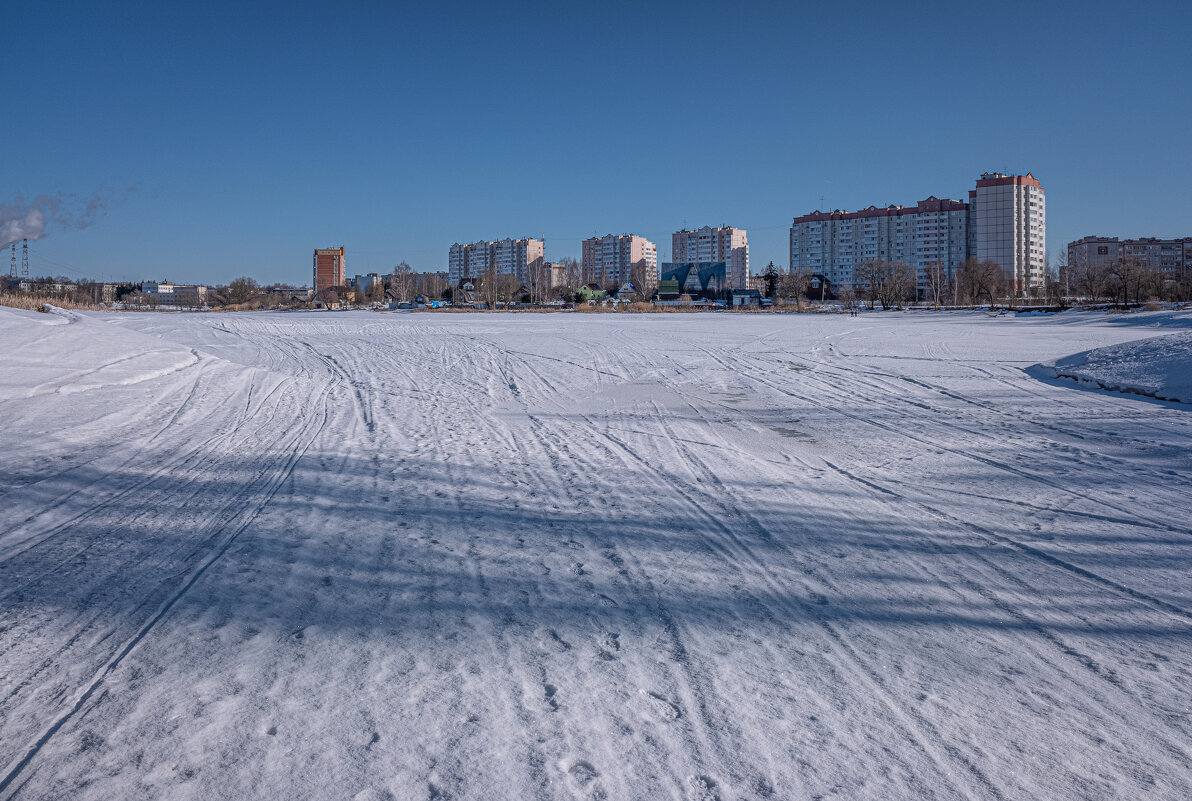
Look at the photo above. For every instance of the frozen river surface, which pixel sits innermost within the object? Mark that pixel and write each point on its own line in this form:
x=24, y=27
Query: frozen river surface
x=380, y=556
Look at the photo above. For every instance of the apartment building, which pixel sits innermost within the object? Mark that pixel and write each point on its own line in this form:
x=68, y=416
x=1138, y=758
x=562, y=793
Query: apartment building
x=1004, y=221
x=1170, y=256
x=507, y=256
x=1008, y=225
x=468, y=262
x=330, y=268
x=610, y=260
x=930, y=233
x=708, y=245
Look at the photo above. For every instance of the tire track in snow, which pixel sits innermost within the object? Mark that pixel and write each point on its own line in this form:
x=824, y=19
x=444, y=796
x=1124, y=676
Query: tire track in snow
x=914, y=724
x=249, y=513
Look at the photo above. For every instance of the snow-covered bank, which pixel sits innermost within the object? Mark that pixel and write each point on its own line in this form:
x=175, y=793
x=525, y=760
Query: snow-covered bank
x=351, y=555
x=1158, y=367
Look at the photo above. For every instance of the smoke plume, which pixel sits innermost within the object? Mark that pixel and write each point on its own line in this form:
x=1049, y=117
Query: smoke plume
x=35, y=218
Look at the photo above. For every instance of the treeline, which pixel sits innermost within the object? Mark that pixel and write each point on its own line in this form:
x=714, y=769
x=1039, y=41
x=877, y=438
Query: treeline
x=893, y=285
x=1122, y=282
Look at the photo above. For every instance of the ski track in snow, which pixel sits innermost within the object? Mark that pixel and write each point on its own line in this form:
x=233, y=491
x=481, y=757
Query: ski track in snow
x=372, y=556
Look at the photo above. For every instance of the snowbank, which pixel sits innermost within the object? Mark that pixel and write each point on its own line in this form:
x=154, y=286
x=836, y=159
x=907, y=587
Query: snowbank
x=1158, y=367
x=60, y=351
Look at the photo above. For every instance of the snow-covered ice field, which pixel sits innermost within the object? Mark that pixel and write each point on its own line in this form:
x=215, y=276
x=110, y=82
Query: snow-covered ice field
x=372, y=556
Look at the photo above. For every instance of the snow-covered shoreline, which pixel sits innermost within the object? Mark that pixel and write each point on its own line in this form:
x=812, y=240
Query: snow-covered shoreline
x=1157, y=367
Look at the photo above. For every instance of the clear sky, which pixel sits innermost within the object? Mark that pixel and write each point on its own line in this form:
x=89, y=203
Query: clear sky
x=233, y=138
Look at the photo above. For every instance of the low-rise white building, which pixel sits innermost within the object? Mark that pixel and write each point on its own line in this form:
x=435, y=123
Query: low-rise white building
x=170, y=294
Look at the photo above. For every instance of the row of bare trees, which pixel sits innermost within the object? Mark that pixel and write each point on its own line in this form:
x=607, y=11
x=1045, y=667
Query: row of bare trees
x=894, y=284
x=1122, y=281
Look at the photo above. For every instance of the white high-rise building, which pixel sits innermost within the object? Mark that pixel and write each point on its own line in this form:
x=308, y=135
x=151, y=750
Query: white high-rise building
x=468, y=262
x=507, y=256
x=610, y=260
x=1008, y=225
x=1004, y=222
x=727, y=244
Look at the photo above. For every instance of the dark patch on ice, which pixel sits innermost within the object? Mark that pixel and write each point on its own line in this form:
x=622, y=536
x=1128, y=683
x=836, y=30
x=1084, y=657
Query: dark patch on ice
x=89, y=740
x=548, y=692
x=793, y=433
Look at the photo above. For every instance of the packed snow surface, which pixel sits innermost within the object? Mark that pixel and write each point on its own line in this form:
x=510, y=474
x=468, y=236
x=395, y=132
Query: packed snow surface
x=379, y=556
x=1160, y=367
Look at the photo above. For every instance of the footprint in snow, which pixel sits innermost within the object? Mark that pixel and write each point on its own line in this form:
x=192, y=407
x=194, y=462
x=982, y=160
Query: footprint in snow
x=661, y=707
x=548, y=693
x=551, y=641
x=584, y=779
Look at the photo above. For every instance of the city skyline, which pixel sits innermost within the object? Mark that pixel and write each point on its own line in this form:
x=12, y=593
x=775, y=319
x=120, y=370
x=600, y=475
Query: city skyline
x=279, y=147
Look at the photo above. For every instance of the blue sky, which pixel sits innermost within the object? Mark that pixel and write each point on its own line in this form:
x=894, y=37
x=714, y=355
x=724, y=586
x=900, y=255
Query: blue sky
x=231, y=139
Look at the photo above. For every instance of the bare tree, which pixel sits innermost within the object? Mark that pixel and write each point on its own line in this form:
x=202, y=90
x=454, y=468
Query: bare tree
x=982, y=279
x=792, y=285
x=644, y=279
x=1090, y=279
x=242, y=290
x=505, y=287
x=898, y=286
x=430, y=285
x=1130, y=280
x=486, y=286
x=938, y=280
x=847, y=298
x=870, y=274
x=573, y=274
x=401, y=281
x=538, y=280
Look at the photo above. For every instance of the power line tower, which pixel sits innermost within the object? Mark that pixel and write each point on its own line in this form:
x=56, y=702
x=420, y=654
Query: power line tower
x=12, y=266
x=25, y=259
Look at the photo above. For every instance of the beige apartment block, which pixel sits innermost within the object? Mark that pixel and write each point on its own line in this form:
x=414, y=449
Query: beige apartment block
x=726, y=243
x=1169, y=256
x=610, y=260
